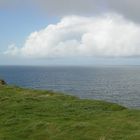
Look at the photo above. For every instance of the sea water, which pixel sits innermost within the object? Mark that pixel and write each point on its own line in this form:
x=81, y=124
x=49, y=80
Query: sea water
x=119, y=84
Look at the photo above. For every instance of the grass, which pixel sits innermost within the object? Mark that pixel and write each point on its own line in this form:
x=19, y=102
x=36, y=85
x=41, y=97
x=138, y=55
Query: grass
x=43, y=115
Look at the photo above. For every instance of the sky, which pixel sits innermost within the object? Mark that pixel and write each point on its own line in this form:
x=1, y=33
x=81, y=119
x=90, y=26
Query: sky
x=69, y=32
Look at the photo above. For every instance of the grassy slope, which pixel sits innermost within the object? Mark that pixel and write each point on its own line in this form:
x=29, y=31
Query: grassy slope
x=41, y=115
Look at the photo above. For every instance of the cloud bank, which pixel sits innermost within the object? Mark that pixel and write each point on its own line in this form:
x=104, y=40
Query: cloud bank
x=108, y=35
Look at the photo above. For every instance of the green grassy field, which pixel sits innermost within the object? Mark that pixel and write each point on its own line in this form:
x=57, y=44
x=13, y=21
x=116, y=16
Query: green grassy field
x=42, y=115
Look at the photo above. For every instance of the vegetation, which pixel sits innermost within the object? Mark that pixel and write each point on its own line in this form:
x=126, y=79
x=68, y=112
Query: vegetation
x=43, y=115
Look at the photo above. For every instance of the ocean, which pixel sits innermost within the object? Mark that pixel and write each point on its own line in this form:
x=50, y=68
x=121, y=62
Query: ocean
x=118, y=84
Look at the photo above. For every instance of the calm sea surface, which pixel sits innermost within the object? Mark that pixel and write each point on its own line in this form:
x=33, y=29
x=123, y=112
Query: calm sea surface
x=119, y=84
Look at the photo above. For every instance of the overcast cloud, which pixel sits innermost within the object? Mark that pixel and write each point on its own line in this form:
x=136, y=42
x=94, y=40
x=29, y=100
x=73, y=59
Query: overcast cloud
x=128, y=8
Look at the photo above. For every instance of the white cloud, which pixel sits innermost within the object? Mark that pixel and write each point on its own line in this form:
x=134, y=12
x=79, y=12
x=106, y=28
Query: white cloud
x=108, y=35
x=12, y=50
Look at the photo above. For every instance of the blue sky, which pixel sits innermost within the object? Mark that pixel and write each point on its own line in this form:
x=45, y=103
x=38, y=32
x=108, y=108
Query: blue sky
x=17, y=24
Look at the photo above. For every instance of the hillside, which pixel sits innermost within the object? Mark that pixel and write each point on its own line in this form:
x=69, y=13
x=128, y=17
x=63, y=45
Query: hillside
x=43, y=115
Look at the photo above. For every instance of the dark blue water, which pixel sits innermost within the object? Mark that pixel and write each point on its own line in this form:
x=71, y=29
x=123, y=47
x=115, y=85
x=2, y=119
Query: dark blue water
x=120, y=84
